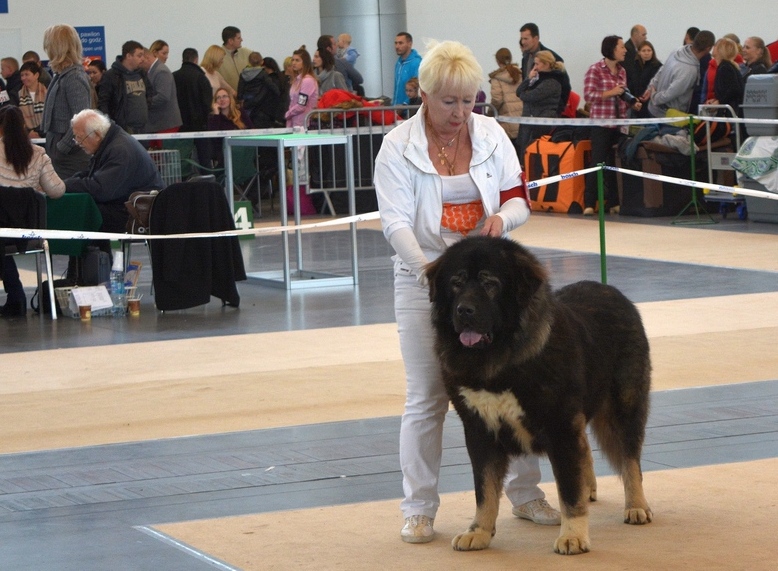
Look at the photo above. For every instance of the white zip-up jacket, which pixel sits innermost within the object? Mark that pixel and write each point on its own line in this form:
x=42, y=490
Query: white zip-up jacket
x=409, y=189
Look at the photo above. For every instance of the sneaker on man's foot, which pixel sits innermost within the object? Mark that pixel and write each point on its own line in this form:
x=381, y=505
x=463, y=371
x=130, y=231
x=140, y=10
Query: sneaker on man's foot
x=418, y=529
x=538, y=511
x=588, y=211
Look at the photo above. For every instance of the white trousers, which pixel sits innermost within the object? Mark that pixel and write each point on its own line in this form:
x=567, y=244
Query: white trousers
x=426, y=404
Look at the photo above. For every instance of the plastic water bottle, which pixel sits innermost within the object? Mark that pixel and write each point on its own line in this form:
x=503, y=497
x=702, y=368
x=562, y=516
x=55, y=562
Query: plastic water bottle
x=118, y=293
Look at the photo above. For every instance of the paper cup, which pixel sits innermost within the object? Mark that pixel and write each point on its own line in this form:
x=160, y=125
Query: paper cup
x=133, y=306
x=85, y=311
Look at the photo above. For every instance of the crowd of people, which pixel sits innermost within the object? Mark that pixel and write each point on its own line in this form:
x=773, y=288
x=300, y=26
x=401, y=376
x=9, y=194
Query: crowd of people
x=234, y=87
x=629, y=81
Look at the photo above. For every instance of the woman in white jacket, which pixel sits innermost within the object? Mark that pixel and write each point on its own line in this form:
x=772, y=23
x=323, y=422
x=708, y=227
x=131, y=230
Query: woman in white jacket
x=443, y=174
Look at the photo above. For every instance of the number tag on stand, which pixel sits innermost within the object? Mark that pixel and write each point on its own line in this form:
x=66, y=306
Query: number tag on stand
x=244, y=218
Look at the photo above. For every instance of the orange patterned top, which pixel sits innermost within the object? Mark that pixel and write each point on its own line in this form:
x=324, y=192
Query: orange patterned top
x=462, y=218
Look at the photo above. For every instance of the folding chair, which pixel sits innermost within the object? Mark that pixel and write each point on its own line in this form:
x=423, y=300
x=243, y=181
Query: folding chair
x=185, y=148
x=26, y=208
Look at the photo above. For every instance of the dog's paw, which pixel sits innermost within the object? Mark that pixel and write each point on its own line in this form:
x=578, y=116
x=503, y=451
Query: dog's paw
x=472, y=540
x=573, y=537
x=638, y=516
x=568, y=544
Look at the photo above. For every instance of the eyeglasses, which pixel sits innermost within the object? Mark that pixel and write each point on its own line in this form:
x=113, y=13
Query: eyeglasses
x=78, y=141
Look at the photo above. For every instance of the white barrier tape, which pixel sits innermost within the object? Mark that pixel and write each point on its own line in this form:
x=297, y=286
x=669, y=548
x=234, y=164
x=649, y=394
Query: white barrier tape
x=582, y=121
x=183, y=135
x=32, y=234
x=703, y=185
x=695, y=184
x=211, y=134
x=557, y=178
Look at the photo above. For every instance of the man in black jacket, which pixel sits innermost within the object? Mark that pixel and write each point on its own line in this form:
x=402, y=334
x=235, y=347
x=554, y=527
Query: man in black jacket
x=258, y=94
x=529, y=42
x=194, y=98
x=194, y=92
x=13, y=79
x=125, y=91
x=119, y=167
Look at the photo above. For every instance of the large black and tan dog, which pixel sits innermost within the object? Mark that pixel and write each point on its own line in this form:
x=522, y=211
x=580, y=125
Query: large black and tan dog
x=527, y=369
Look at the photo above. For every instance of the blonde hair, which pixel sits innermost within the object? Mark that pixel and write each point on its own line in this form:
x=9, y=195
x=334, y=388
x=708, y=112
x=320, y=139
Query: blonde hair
x=63, y=46
x=450, y=64
x=157, y=46
x=726, y=49
x=212, y=58
x=233, y=113
x=548, y=58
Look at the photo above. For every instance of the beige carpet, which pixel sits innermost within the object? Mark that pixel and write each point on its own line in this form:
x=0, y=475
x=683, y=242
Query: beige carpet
x=688, y=244
x=714, y=517
x=121, y=393
x=187, y=387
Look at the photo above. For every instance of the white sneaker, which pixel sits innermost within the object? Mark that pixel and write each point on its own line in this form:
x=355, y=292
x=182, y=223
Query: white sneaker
x=418, y=529
x=538, y=511
x=588, y=211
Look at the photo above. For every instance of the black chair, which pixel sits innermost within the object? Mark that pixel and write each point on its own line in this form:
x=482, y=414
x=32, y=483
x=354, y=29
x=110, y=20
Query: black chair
x=26, y=208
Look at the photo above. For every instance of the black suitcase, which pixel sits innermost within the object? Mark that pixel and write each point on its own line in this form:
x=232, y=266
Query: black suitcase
x=95, y=267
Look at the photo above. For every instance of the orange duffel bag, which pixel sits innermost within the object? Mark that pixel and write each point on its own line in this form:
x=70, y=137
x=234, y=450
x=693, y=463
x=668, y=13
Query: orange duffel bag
x=545, y=158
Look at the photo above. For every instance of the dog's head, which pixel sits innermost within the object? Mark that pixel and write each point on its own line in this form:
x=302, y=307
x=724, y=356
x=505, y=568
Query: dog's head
x=482, y=290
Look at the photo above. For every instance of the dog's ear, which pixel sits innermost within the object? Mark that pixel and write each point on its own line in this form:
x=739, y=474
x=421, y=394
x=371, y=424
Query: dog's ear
x=431, y=273
x=533, y=272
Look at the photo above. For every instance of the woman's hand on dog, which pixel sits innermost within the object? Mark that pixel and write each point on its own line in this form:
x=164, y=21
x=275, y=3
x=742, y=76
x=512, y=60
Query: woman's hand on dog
x=492, y=227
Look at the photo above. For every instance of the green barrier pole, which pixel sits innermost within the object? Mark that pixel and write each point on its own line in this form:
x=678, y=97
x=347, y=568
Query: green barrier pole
x=693, y=155
x=601, y=202
x=694, y=203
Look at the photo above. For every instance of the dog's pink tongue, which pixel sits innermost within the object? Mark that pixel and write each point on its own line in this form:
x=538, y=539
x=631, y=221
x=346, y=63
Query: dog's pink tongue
x=468, y=337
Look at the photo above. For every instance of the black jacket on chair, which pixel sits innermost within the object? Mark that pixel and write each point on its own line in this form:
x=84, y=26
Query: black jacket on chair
x=19, y=208
x=187, y=272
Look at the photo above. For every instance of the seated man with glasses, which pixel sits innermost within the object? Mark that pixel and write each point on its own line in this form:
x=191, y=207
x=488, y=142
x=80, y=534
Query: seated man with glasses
x=119, y=166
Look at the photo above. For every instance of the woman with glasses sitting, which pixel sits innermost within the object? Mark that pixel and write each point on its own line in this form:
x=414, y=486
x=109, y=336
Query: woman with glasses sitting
x=225, y=116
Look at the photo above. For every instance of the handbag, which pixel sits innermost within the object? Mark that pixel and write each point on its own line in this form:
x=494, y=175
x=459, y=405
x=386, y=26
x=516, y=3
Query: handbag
x=139, y=207
x=43, y=293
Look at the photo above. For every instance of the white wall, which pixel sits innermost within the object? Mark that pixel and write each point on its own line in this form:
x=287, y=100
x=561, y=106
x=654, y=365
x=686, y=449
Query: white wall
x=276, y=28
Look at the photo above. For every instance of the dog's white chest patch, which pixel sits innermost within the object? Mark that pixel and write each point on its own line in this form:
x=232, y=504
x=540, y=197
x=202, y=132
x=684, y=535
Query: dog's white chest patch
x=497, y=410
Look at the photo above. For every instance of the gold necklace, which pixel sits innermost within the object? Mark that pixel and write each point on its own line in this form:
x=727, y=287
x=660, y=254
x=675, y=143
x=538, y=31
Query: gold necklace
x=442, y=155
